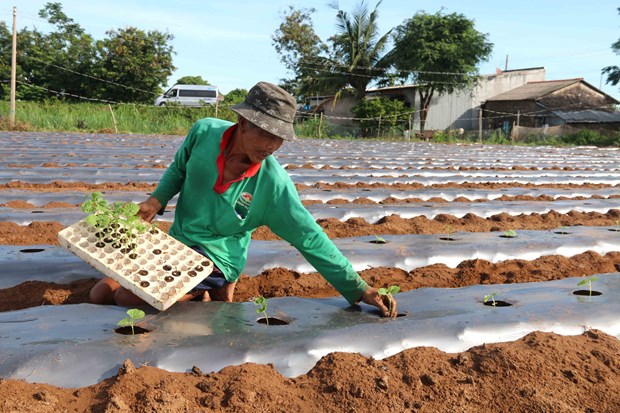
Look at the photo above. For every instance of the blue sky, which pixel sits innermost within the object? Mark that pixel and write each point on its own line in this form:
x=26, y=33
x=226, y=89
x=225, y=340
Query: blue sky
x=228, y=42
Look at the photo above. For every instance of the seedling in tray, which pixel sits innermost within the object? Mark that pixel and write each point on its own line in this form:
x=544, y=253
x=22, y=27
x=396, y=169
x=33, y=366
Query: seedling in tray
x=151, y=264
x=117, y=222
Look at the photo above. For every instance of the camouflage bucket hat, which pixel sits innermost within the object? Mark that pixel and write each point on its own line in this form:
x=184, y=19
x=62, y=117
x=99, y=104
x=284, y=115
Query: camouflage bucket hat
x=271, y=108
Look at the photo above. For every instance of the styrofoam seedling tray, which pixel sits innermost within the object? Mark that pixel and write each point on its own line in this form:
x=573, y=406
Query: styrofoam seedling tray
x=159, y=269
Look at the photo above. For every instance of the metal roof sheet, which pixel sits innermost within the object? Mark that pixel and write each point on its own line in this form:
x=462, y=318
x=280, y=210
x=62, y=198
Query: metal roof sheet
x=588, y=116
x=534, y=90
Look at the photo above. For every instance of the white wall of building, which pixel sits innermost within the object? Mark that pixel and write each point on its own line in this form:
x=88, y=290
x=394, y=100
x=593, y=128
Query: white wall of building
x=461, y=110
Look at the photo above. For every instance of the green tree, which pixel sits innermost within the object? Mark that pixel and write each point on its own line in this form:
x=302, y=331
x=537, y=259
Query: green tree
x=128, y=66
x=357, y=57
x=354, y=60
x=439, y=53
x=235, y=96
x=135, y=63
x=30, y=62
x=381, y=115
x=55, y=63
x=192, y=80
x=613, y=72
x=5, y=60
x=299, y=47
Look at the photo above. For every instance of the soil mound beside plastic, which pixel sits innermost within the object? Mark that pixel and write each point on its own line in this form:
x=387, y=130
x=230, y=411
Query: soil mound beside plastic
x=541, y=372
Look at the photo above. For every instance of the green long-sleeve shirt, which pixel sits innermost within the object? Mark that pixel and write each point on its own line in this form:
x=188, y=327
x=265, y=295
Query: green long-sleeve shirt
x=222, y=224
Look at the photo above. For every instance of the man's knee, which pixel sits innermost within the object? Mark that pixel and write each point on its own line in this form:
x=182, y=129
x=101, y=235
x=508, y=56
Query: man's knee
x=126, y=298
x=101, y=293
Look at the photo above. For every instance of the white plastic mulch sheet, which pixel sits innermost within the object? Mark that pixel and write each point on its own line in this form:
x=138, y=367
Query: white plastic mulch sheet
x=406, y=252
x=75, y=345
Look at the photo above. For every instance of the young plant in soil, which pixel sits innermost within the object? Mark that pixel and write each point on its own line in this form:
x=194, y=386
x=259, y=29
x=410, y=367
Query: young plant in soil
x=378, y=240
x=588, y=282
x=261, y=302
x=449, y=233
x=490, y=297
x=387, y=292
x=134, y=315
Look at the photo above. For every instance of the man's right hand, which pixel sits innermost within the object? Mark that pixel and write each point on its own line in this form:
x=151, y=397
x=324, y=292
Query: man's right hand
x=149, y=208
x=371, y=296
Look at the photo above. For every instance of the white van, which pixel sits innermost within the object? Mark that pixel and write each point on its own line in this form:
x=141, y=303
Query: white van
x=189, y=95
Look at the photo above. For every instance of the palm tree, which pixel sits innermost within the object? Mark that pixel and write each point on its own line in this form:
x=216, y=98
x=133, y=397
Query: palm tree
x=357, y=56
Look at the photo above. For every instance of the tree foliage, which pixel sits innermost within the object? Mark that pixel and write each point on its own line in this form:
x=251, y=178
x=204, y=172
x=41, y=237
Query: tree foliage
x=137, y=62
x=51, y=62
x=192, y=80
x=613, y=72
x=235, y=96
x=378, y=115
x=130, y=65
x=5, y=58
x=440, y=53
x=299, y=47
x=358, y=48
x=353, y=61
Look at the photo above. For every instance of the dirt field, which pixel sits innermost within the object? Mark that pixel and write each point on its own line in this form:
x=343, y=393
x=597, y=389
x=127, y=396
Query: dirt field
x=541, y=372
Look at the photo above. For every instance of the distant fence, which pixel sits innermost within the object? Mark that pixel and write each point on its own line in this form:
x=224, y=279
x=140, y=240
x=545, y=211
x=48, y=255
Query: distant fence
x=521, y=133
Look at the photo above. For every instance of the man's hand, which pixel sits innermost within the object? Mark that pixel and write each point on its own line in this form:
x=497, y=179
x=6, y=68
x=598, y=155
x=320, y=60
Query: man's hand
x=149, y=208
x=382, y=302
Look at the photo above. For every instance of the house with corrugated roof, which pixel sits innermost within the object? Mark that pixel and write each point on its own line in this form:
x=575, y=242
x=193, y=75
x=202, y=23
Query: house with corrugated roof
x=552, y=103
x=446, y=111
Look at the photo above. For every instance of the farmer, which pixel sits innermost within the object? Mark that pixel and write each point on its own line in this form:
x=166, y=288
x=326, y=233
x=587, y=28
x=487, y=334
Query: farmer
x=228, y=185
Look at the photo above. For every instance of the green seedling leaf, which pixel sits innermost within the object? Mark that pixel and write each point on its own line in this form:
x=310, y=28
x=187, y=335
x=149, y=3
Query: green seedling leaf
x=379, y=240
x=450, y=231
x=387, y=292
x=588, y=282
x=130, y=209
x=94, y=204
x=119, y=218
x=393, y=289
x=92, y=220
x=491, y=297
x=511, y=233
x=134, y=315
x=261, y=302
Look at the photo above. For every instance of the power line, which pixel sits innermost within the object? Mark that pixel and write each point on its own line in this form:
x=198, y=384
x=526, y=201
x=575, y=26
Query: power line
x=92, y=77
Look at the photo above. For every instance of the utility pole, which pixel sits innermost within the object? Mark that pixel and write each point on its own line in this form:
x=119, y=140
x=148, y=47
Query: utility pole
x=13, y=70
x=480, y=124
x=506, y=66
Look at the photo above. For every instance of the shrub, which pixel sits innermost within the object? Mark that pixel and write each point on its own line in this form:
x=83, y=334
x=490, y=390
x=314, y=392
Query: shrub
x=381, y=116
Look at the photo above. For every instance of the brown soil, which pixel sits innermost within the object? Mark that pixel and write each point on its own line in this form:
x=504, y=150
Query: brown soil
x=542, y=372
